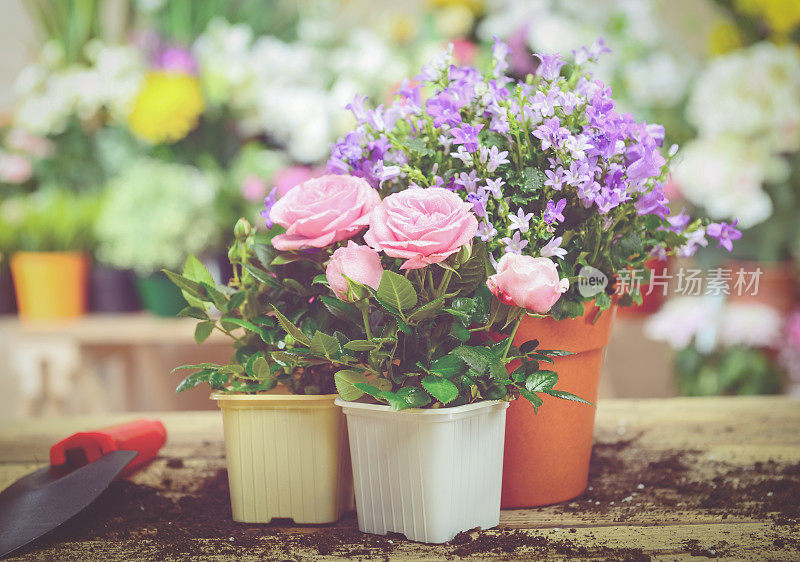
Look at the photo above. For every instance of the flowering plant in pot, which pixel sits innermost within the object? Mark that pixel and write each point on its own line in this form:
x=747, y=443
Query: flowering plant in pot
x=50, y=264
x=554, y=171
x=291, y=446
x=418, y=297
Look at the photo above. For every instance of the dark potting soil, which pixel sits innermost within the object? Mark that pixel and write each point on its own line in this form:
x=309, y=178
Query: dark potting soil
x=160, y=525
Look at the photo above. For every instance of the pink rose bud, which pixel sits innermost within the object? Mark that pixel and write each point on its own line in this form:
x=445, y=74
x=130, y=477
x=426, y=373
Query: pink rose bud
x=359, y=263
x=423, y=226
x=322, y=211
x=527, y=282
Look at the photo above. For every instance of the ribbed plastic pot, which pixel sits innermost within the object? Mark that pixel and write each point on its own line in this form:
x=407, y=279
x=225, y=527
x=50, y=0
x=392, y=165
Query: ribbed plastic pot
x=287, y=457
x=427, y=474
x=547, y=454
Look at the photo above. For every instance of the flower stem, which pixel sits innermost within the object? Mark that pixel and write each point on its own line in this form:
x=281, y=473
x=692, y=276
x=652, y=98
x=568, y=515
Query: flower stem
x=445, y=282
x=511, y=338
x=365, y=316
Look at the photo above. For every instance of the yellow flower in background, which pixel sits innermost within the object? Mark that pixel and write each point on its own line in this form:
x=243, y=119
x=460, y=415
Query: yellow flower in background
x=167, y=108
x=782, y=16
x=724, y=37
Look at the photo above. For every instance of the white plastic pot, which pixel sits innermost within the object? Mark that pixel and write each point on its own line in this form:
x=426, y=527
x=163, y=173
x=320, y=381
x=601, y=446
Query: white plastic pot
x=287, y=456
x=428, y=474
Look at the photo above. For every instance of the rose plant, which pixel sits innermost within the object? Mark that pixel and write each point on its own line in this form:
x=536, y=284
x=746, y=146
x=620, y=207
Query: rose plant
x=420, y=339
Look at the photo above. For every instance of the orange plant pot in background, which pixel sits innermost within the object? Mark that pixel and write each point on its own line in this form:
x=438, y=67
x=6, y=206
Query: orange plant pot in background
x=653, y=301
x=50, y=284
x=547, y=454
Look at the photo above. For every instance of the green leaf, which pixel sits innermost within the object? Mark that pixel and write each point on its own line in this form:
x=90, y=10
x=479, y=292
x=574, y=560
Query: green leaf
x=340, y=309
x=397, y=291
x=193, y=312
x=203, y=330
x=368, y=345
x=473, y=272
x=528, y=346
x=567, y=396
x=188, y=286
x=497, y=370
x=458, y=331
x=261, y=275
x=218, y=298
x=427, y=310
x=346, y=380
x=291, y=329
x=447, y=366
x=414, y=397
x=440, y=388
x=238, y=322
x=554, y=352
x=195, y=270
x=477, y=358
x=532, y=179
x=324, y=344
x=237, y=299
x=369, y=389
x=194, y=379
x=212, y=366
x=540, y=381
x=320, y=279
x=218, y=380
x=261, y=369
x=532, y=398
x=462, y=308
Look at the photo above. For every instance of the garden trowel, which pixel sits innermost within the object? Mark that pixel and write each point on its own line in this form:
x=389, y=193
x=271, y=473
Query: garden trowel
x=81, y=467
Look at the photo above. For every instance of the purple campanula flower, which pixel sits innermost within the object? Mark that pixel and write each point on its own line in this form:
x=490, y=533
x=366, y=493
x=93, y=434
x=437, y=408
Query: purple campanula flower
x=521, y=221
x=411, y=95
x=546, y=104
x=357, y=108
x=479, y=200
x=549, y=66
x=586, y=54
x=553, y=249
x=467, y=181
x=486, y=231
x=653, y=203
x=645, y=161
x=269, y=202
x=467, y=135
x=724, y=233
x=555, y=179
x=495, y=158
x=694, y=240
x=495, y=187
x=514, y=245
x=554, y=211
x=444, y=110
x=500, y=52
x=462, y=155
x=679, y=222
x=551, y=133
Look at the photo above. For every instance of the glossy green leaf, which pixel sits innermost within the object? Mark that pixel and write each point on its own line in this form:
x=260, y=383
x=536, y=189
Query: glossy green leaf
x=345, y=381
x=397, y=291
x=291, y=329
x=203, y=330
x=440, y=388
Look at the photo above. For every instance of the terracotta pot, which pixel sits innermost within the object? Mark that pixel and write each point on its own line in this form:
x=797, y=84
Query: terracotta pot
x=652, y=302
x=50, y=284
x=777, y=285
x=547, y=454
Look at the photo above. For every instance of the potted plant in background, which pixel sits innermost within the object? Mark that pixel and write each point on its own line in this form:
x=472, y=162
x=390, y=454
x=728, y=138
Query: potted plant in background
x=51, y=267
x=9, y=242
x=287, y=452
x=552, y=170
x=442, y=389
x=154, y=214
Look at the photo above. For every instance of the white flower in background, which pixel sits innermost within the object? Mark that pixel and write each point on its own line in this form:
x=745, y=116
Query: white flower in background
x=681, y=319
x=659, y=79
x=725, y=176
x=753, y=93
x=750, y=325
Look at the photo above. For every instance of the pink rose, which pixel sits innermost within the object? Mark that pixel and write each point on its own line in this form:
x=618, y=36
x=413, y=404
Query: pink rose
x=253, y=188
x=322, y=211
x=527, y=282
x=359, y=263
x=424, y=226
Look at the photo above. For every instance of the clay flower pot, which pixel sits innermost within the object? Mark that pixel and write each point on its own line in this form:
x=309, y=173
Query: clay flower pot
x=650, y=303
x=287, y=456
x=547, y=454
x=428, y=474
x=777, y=285
x=50, y=285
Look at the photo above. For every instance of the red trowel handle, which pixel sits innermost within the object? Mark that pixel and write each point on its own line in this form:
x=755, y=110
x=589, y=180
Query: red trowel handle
x=144, y=436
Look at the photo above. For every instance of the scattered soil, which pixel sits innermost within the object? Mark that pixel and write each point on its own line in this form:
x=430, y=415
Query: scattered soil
x=625, y=482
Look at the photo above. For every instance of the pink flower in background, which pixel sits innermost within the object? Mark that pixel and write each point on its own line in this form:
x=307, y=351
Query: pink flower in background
x=322, y=211
x=359, y=263
x=422, y=226
x=32, y=145
x=15, y=168
x=527, y=282
x=289, y=177
x=464, y=51
x=253, y=188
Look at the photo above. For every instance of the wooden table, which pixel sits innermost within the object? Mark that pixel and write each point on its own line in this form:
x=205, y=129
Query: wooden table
x=671, y=479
